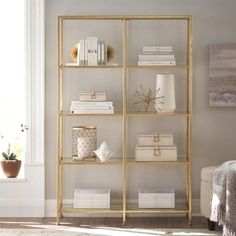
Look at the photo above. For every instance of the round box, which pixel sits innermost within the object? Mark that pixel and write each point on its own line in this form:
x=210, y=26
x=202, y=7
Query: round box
x=84, y=142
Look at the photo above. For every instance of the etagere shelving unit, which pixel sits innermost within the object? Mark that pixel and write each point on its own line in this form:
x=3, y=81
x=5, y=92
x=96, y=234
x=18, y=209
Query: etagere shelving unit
x=125, y=115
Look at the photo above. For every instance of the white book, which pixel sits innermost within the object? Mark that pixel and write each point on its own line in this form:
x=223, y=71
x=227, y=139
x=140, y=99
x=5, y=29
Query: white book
x=157, y=48
x=95, y=51
x=81, y=55
x=93, y=112
x=91, y=107
x=85, y=52
x=157, y=57
x=156, y=63
x=89, y=45
x=107, y=103
x=103, y=52
x=99, y=52
x=78, y=53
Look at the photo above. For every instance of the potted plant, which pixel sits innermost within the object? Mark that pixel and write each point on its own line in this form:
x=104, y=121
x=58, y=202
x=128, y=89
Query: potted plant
x=12, y=148
x=10, y=164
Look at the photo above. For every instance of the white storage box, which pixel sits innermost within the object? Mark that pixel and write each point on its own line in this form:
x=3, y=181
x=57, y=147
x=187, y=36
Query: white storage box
x=93, y=96
x=156, y=153
x=92, y=198
x=156, y=198
x=155, y=138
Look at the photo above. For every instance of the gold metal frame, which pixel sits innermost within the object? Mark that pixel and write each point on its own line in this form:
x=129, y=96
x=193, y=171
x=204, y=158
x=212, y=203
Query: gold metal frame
x=124, y=209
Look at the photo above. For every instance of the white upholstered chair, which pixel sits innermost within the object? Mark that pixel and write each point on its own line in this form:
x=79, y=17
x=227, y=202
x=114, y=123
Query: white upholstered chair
x=206, y=194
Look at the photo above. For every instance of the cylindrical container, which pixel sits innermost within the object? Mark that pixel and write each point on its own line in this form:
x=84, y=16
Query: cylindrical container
x=84, y=142
x=165, y=83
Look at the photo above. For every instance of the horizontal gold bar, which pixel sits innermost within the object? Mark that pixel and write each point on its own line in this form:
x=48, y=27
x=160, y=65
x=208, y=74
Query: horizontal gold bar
x=162, y=211
x=90, y=67
x=70, y=161
x=137, y=113
x=109, y=17
x=158, y=66
x=66, y=114
x=178, y=162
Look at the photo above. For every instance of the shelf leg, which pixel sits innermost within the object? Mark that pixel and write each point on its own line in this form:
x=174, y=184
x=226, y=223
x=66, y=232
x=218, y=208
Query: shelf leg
x=189, y=219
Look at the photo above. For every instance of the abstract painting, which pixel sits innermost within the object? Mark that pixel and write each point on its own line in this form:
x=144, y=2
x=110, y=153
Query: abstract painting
x=222, y=75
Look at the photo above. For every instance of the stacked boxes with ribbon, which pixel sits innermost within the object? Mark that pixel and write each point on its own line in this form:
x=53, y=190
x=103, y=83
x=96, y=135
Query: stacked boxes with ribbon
x=156, y=146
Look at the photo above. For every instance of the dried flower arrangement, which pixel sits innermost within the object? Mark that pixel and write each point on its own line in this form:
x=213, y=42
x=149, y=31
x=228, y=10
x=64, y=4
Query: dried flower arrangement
x=148, y=97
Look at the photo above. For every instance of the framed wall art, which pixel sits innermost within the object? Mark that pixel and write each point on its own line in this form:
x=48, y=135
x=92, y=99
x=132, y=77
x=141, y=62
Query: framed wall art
x=222, y=75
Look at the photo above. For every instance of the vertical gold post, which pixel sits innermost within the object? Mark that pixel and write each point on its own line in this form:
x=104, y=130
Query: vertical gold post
x=189, y=119
x=124, y=117
x=59, y=120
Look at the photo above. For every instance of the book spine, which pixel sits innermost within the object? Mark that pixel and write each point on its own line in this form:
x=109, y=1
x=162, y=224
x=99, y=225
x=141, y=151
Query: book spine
x=156, y=63
x=92, y=107
x=157, y=48
x=85, y=52
x=156, y=57
x=95, y=51
x=81, y=55
x=92, y=111
x=99, y=52
x=78, y=53
x=89, y=51
x=108, y=103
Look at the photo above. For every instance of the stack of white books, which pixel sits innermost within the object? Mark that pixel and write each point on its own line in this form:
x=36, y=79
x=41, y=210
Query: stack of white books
x=90, y=52
x=156, y=55
x=91, y=107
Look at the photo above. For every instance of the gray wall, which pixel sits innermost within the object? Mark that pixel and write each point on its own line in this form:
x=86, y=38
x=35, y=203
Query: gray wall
x=214, y=129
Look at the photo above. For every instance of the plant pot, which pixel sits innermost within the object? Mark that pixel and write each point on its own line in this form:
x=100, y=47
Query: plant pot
x=11, y=168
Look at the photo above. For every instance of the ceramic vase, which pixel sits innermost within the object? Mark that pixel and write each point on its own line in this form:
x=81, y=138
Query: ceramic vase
x=165, y=83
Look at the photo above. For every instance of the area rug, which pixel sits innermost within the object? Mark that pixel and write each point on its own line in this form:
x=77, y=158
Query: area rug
x=106, y=232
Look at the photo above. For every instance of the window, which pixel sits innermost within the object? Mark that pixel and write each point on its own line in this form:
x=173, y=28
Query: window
x=12, y=76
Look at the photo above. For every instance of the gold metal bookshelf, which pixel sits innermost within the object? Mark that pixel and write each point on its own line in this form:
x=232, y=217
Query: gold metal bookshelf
x=124, y=161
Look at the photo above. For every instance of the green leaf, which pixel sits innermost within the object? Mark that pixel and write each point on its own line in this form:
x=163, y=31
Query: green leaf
x=12, y=156
x=5, y=155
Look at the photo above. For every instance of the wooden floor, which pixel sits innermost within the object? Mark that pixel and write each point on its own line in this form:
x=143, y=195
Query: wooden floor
x=132, y=222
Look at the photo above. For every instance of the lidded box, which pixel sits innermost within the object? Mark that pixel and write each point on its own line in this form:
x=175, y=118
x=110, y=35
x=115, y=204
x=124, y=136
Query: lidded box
x=92, y=198
x=84, y=142
x=156, y=198
x=156, y=153
x=155, y=138
x=93, y=96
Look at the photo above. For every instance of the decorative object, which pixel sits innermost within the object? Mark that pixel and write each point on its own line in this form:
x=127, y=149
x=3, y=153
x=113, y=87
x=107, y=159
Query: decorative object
x=103, y=152
x=110, y=53
x=222, y=75
x=84, y=142
x=13, y=148
x=74, y=52
x=156, y=153
x=92, y=198
x=155, y=138
x=165, y=84
x=148, y=97
x=156, y=198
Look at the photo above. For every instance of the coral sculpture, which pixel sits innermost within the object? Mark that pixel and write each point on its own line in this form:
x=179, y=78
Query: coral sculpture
x=148, y=97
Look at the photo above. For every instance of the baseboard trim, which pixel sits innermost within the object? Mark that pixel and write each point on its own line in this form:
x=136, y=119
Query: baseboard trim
x=22, y=208
x=51, y=209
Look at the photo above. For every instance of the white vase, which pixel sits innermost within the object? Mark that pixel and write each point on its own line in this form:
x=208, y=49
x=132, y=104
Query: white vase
x=165, y=83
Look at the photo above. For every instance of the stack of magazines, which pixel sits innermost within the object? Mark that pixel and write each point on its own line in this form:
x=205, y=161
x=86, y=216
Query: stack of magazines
x=156, y=55
x=92, y=103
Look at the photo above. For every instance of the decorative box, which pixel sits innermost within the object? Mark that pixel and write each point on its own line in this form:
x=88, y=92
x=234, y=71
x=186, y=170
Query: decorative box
x=156, y=198
x=84, y=142
x=92, y=198
x=155, y=138
x=93, y=96
x=156, y=153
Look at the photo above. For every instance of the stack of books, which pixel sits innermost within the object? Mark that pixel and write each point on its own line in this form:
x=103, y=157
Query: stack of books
x=92, y=103
x=156, y=55
x=90, y=52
